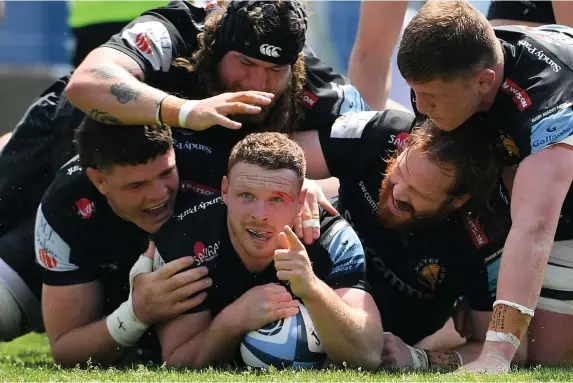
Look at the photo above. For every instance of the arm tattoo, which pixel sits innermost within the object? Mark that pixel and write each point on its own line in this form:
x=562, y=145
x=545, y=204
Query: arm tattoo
x=101, y=71
x=104, y=117
x=444, y=359
x=124, y=92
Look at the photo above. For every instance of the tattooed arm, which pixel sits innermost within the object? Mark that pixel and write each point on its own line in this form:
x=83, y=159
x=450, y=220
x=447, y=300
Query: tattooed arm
x=109, y=86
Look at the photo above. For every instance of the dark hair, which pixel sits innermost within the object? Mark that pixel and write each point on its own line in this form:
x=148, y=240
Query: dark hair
x=470, y=150
x=287, y=113
x=447, y=40
x=102, y=146
x=270, y=151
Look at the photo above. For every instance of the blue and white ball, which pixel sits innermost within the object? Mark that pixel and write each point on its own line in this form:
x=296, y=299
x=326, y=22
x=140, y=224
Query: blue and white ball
x=290, y=342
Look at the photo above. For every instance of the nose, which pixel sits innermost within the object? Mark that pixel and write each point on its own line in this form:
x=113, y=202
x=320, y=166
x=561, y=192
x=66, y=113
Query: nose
x=159, y=191
x=423, y=105
x=399, y=192
x=257, y=79
x=259, y=212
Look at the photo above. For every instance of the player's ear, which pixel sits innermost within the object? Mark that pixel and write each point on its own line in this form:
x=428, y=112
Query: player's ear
x=486, y=80
x=225, y=188
x=97, y=177
x=460, y=201
x=301, y=199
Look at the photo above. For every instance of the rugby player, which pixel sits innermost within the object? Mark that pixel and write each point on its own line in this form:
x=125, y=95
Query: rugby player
x=245, y=239
x=174, y=64
x=307, y=95
x=93, y=223
x=519, y=79
x=417, y=200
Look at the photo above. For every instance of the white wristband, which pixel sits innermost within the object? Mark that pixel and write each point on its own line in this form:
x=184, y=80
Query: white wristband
x=517, y=306
x=419, y=359
x=496, y=336
x=123, y=325
x=186, y=108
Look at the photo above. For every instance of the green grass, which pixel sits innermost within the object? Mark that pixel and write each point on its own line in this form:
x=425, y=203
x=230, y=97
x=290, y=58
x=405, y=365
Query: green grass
x=28, y=359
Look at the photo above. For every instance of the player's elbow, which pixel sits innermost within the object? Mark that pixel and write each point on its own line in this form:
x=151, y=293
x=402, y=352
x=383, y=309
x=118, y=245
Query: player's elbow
x=78, y=89
x=64, y=358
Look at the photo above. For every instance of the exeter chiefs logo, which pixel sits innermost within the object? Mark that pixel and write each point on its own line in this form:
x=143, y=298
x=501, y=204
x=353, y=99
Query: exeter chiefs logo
x=430, y=273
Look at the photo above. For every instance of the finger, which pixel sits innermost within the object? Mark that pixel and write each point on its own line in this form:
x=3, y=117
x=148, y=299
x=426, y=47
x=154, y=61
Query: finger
x=312, y=233
x=226, y=122
x=294, y=242
x=306, y=214
x=285, y=275
x=287, y=265
x=239, y=108
x=253, y=97
x=298, y=225
x=283, y=313
x=186, y=277
x=282, y=297
x=283, y=255
x=150, y=252
x=283, y=243
x=325, y=203
x=190, y=289
x=173, y=267
x=189, y=304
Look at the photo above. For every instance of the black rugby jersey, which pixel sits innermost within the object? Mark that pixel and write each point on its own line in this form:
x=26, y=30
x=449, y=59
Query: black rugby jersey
x=199, y=228
x=416, y=277
x=534, y=106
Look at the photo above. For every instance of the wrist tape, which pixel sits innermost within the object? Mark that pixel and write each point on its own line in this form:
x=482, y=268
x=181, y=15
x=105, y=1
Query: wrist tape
x=509, y=322
x=122, y=324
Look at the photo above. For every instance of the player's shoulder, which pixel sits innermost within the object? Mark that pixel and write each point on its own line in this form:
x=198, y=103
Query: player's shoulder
x=71, y=189
x=338, y=242
x=180, y=12
x=382, y=128
x=326, y=91
x=194, y=229
x=193, y=206
x=484, y=234
x=538, y=64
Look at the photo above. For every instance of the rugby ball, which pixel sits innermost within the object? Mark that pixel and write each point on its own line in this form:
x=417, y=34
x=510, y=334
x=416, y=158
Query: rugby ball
x=289, y=342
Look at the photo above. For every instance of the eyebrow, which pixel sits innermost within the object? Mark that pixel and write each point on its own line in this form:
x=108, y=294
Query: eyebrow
x=161, y=174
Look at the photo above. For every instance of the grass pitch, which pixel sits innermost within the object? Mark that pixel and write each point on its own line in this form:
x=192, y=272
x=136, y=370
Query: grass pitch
x=28, y=359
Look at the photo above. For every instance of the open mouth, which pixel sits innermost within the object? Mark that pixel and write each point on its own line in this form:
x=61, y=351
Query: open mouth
x=260, y=235
x=400, y=207
x=159, y=211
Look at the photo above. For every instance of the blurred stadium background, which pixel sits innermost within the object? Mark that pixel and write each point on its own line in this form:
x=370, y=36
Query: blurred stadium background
x=36, y=46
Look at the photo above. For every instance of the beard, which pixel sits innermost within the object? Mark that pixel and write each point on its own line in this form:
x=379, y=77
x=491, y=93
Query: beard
x=412, y=222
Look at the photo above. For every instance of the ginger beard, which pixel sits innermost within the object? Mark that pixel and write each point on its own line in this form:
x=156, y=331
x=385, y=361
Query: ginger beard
x=403, y=215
